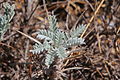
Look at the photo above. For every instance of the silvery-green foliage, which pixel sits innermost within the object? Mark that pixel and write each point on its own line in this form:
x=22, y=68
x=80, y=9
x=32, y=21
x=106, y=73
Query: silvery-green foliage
x=52, y=23
x=57, y=41
x=6, y=18
x=50, y=57
x=73, y=41
x=77, y=31
x=61, y=52
x=41, y=47
x=45, y=34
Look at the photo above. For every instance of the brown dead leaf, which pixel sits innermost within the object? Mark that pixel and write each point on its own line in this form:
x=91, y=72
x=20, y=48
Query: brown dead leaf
x=19, y=4
x=73, y=8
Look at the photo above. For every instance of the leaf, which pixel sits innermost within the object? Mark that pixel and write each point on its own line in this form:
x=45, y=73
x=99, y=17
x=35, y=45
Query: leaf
x=59, y=38
x=46, y=45
x=60, y=41
x=61, y=52
x=6, y=18
x=52, y=23
x=50, y=57
x=19, y=3
x=74, y=42
x=73, y=7
x=46, y=34
x=37, y=48
x=76, y=32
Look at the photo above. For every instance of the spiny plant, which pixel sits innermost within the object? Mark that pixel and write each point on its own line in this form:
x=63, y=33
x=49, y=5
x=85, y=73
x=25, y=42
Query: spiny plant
x=6, y=18
x=57, y=41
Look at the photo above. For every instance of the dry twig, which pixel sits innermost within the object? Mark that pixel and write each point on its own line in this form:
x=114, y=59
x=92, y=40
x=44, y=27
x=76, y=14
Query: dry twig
x=92, y=18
